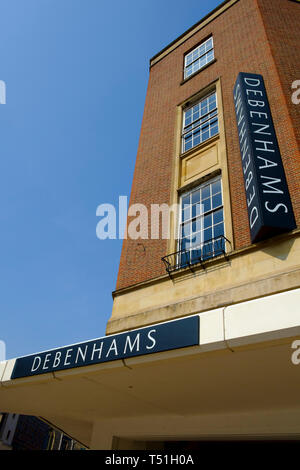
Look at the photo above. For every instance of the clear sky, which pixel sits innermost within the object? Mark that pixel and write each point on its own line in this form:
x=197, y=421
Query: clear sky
x=76, y=73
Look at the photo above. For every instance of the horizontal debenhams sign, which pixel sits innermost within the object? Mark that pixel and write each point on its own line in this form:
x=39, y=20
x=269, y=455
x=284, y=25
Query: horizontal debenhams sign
x=268, y=201
x=156, y=338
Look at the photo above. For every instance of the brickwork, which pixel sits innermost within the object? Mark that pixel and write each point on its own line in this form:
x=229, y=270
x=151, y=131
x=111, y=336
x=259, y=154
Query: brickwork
x=245, y=40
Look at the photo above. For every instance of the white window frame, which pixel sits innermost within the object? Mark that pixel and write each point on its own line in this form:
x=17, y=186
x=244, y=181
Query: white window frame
x=210, y=211
x=200, y=54
x=205, y=119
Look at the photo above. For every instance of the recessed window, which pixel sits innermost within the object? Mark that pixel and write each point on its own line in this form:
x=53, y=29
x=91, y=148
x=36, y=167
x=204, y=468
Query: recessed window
x=202, y=222
x=200, y=122
x=199, y=57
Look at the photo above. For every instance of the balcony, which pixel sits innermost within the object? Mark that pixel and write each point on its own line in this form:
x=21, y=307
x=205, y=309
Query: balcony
x=197, y=255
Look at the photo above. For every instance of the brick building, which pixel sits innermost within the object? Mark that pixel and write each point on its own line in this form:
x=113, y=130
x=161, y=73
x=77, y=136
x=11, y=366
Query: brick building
x=203, y=338
x=247, y=36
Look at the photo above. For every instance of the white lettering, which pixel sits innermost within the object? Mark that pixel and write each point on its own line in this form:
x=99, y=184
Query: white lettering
x=269, y=185
x=253, y=216
x=113, y=347
x=252, y=81
x=261, y=129
x=244, y=148
x=256, y=104
x=47, y=359
x=67, y=357
x=236, y=91
x=265, y=145
x=248, y=180
x=256, y=92
x=132, y=345
x=275, y=209
x=99, y=350
x=259, y=114
x=57, y=357
x=242, y=131
x=245, y=168
x=34, y=367
x=268, y=163
x=83, y=354
x=250, y=199
x=152, y=339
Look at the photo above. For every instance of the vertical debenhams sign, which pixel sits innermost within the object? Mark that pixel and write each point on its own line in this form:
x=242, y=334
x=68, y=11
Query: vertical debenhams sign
x=269, y=206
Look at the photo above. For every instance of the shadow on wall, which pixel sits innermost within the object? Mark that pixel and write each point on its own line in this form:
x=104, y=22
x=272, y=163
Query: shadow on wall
x=280, y=251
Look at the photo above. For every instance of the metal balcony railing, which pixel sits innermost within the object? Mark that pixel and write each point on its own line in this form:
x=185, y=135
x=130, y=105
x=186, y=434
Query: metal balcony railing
x=197, y=255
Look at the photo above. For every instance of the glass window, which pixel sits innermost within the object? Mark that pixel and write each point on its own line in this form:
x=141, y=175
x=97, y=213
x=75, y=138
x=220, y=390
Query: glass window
x=200, y=122
x=199, y=57
x=202, y=222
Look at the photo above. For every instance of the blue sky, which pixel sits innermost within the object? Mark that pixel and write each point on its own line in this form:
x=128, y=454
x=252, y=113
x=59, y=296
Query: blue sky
x=76, y=73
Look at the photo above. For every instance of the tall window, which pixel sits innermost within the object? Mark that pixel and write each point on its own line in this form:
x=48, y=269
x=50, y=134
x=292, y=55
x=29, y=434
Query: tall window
x=202, y=222
x=198, y=57
x=200, y=122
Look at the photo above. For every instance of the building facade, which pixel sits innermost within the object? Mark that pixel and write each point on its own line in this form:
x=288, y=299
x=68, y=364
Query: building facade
x=178, y=154
x=219, y=280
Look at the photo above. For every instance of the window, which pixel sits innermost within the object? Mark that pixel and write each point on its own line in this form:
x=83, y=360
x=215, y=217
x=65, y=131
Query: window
x=199, y=57
x=200, y=122
x=202, y=222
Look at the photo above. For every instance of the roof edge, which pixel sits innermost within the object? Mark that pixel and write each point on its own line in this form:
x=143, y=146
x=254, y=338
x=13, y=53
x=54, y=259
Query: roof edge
x=206, y=17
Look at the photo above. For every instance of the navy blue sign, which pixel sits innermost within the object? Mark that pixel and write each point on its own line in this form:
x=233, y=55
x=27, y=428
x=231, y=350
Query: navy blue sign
x=269, y=206
x=157, y=338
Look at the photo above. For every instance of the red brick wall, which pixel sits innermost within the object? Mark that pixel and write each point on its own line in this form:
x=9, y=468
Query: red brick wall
x=241, y=45
x=283, y=33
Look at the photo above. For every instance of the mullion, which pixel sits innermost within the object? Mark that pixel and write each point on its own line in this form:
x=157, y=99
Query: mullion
x=198, y=58
x=202, y=118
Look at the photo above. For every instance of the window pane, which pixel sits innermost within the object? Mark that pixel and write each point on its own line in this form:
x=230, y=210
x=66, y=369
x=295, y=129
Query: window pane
x=185, y=244
x=195, y=255
x=214, y=129
x=196, y=239
x=218, y=216
x=209, y=44
x=188, y=145
x=186, y=214
x=197, y=225
x=207, y=221
x=218, y=230
x=217, y=200
x=205, y=136
x=207, y=234
x=212, y=101
x=189, y=59
x=184, y=259
x=196, y=139
x=196, y=196
x=185, y=201
x=210, y=56
x=196, y=210
x=216, y=187
x=206, y=205
x=186, y=230
x=205, y=192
